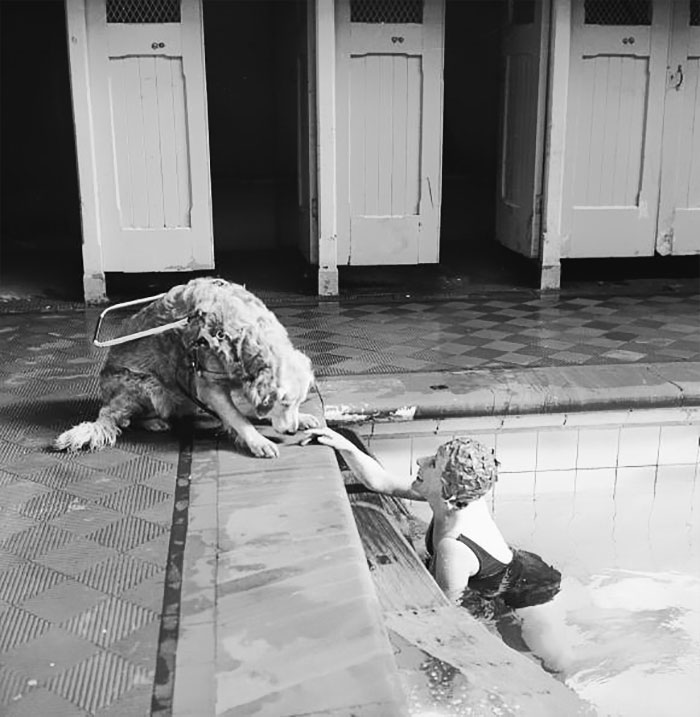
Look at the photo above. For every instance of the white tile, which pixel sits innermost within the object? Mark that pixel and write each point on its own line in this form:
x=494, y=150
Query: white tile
x=675, y=505
x=516, y=520
x=556, y=450
x=554, y=483
x=639, y=446
x=656, y=416
x=597, y=418
x=595, y=482
x=487, y=439
x=515, y=485
x=532, y=421
x=679, y=478
x=634, y=485
x=516, y=451
x=679, y=444
x=597, y=447
x=393, y=453
x=469, y=425
x=404, y=428
x=420, y=508
x=424, y=446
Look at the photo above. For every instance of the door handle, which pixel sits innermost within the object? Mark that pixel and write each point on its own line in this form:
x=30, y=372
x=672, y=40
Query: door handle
x=678, y=75
x=157, y=45
x=397, y=38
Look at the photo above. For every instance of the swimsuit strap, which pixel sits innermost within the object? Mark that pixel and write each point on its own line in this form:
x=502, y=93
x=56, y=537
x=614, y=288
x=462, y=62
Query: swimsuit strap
x=488, y=565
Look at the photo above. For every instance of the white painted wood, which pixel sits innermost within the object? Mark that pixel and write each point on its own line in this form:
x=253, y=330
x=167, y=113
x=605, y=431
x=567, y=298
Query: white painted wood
x=556, y=149
x=679, y=205
x=149, y=112
x=326, y=128
x=390, y=135
x=94, y=284
x=614, y=136
x=521, y=154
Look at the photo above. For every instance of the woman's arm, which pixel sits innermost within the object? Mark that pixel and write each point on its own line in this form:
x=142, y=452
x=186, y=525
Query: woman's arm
x=366, y=468
x=454, y=563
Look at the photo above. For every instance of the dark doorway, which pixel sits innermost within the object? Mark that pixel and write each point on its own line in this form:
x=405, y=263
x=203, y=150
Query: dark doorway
x=40, y=234
x=252, y=92
x=473, y=87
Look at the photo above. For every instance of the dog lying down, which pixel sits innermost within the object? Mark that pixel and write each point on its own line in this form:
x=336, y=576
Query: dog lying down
x=232, y=358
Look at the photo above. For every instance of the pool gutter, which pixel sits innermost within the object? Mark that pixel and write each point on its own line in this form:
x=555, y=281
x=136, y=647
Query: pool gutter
x=482, y=392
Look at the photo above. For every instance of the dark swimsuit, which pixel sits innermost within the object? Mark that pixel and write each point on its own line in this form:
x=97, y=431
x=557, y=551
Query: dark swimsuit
x=525, y=581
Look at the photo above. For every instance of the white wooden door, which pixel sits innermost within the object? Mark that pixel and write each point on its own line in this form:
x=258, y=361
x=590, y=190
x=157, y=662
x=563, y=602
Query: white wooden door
x=679, y=210
x=616, y=89
x=390, y=123
x=521, y=153
x=148, y=93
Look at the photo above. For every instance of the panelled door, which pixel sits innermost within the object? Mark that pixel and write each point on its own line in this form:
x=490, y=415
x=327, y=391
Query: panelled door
x=148, y=96
x=617, y=89
x=679, y=209
x=521, y=152
x=390, y=129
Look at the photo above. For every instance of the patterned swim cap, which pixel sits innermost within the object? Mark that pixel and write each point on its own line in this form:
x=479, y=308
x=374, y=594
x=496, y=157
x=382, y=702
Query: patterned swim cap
x=470, y=471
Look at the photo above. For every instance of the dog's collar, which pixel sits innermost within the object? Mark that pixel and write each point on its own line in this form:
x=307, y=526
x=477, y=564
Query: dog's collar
x=195, y=363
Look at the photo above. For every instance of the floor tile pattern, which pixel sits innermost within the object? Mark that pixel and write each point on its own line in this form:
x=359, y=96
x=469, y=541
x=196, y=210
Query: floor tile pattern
x=83, y=539
x=504, y=332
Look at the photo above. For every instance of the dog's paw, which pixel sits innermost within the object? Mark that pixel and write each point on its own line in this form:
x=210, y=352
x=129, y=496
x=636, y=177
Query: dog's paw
x=259, y=446
x=91, y=436
x=306, y=420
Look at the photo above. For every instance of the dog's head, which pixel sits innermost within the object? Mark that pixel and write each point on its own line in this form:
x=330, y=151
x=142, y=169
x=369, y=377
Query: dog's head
x=294, y=382
x=260, y=365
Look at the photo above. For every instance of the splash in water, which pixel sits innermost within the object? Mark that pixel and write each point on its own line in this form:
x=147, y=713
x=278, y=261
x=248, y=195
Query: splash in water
x=635, y=640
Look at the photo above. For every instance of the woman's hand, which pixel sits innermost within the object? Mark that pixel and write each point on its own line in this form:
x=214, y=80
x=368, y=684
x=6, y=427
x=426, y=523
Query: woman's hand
x=328, y=437
x=363, y=465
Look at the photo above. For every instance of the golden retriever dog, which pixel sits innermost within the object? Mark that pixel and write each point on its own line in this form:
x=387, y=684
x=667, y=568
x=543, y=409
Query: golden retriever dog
x=231, y=357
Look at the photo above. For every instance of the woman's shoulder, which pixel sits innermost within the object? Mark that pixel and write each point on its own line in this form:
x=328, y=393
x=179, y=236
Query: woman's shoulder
x=451, y=548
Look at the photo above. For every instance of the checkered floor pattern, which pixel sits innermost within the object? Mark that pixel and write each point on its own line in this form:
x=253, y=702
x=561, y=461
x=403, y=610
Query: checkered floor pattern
x=83, y=539
x=493, y=333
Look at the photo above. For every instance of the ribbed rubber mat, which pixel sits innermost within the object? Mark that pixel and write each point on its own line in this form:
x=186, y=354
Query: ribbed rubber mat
x=83, y=537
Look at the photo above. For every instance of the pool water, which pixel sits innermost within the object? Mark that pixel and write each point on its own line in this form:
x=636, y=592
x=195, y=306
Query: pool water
x=612, y=501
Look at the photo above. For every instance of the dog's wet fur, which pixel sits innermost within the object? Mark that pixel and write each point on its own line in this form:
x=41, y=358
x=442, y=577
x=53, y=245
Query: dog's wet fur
x=233, y=358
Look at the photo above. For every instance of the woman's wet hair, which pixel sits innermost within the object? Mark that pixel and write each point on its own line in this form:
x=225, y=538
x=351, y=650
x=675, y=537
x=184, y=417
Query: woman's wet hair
x=469, y=471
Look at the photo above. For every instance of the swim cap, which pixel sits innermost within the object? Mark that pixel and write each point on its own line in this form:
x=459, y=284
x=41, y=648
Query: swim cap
x=470, y=470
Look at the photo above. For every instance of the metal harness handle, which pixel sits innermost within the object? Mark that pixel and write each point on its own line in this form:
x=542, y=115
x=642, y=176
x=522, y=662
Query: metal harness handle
x=138, y=334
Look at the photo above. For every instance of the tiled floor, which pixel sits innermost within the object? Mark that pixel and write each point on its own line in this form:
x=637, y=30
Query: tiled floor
x=513, y=331
x=84, y=539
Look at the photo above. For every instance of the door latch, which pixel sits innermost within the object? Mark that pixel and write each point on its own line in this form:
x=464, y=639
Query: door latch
x=157, y=45
x=677, y=78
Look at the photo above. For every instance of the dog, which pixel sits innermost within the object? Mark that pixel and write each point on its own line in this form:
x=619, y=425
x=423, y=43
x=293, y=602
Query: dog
x=230, y=357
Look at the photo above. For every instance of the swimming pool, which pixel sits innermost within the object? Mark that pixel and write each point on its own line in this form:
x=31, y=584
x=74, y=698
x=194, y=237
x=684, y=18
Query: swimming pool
x=611, y=499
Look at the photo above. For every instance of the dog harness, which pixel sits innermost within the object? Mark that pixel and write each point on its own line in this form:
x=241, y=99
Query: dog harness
x=195, y=364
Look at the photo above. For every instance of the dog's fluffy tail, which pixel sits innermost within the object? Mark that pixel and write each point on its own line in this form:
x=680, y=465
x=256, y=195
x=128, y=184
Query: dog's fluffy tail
x=90, y=435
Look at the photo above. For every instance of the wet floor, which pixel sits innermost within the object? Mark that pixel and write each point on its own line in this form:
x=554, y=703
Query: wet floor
x=84, y=539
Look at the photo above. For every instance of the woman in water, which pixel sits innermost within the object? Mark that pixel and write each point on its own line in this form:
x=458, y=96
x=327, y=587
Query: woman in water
x=467, y=552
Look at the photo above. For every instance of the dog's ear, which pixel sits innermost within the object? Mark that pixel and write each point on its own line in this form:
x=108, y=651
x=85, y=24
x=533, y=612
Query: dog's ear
x=259, y=370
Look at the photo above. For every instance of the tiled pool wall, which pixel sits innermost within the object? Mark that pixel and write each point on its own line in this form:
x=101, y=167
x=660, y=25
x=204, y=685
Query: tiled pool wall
x=589, y=490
